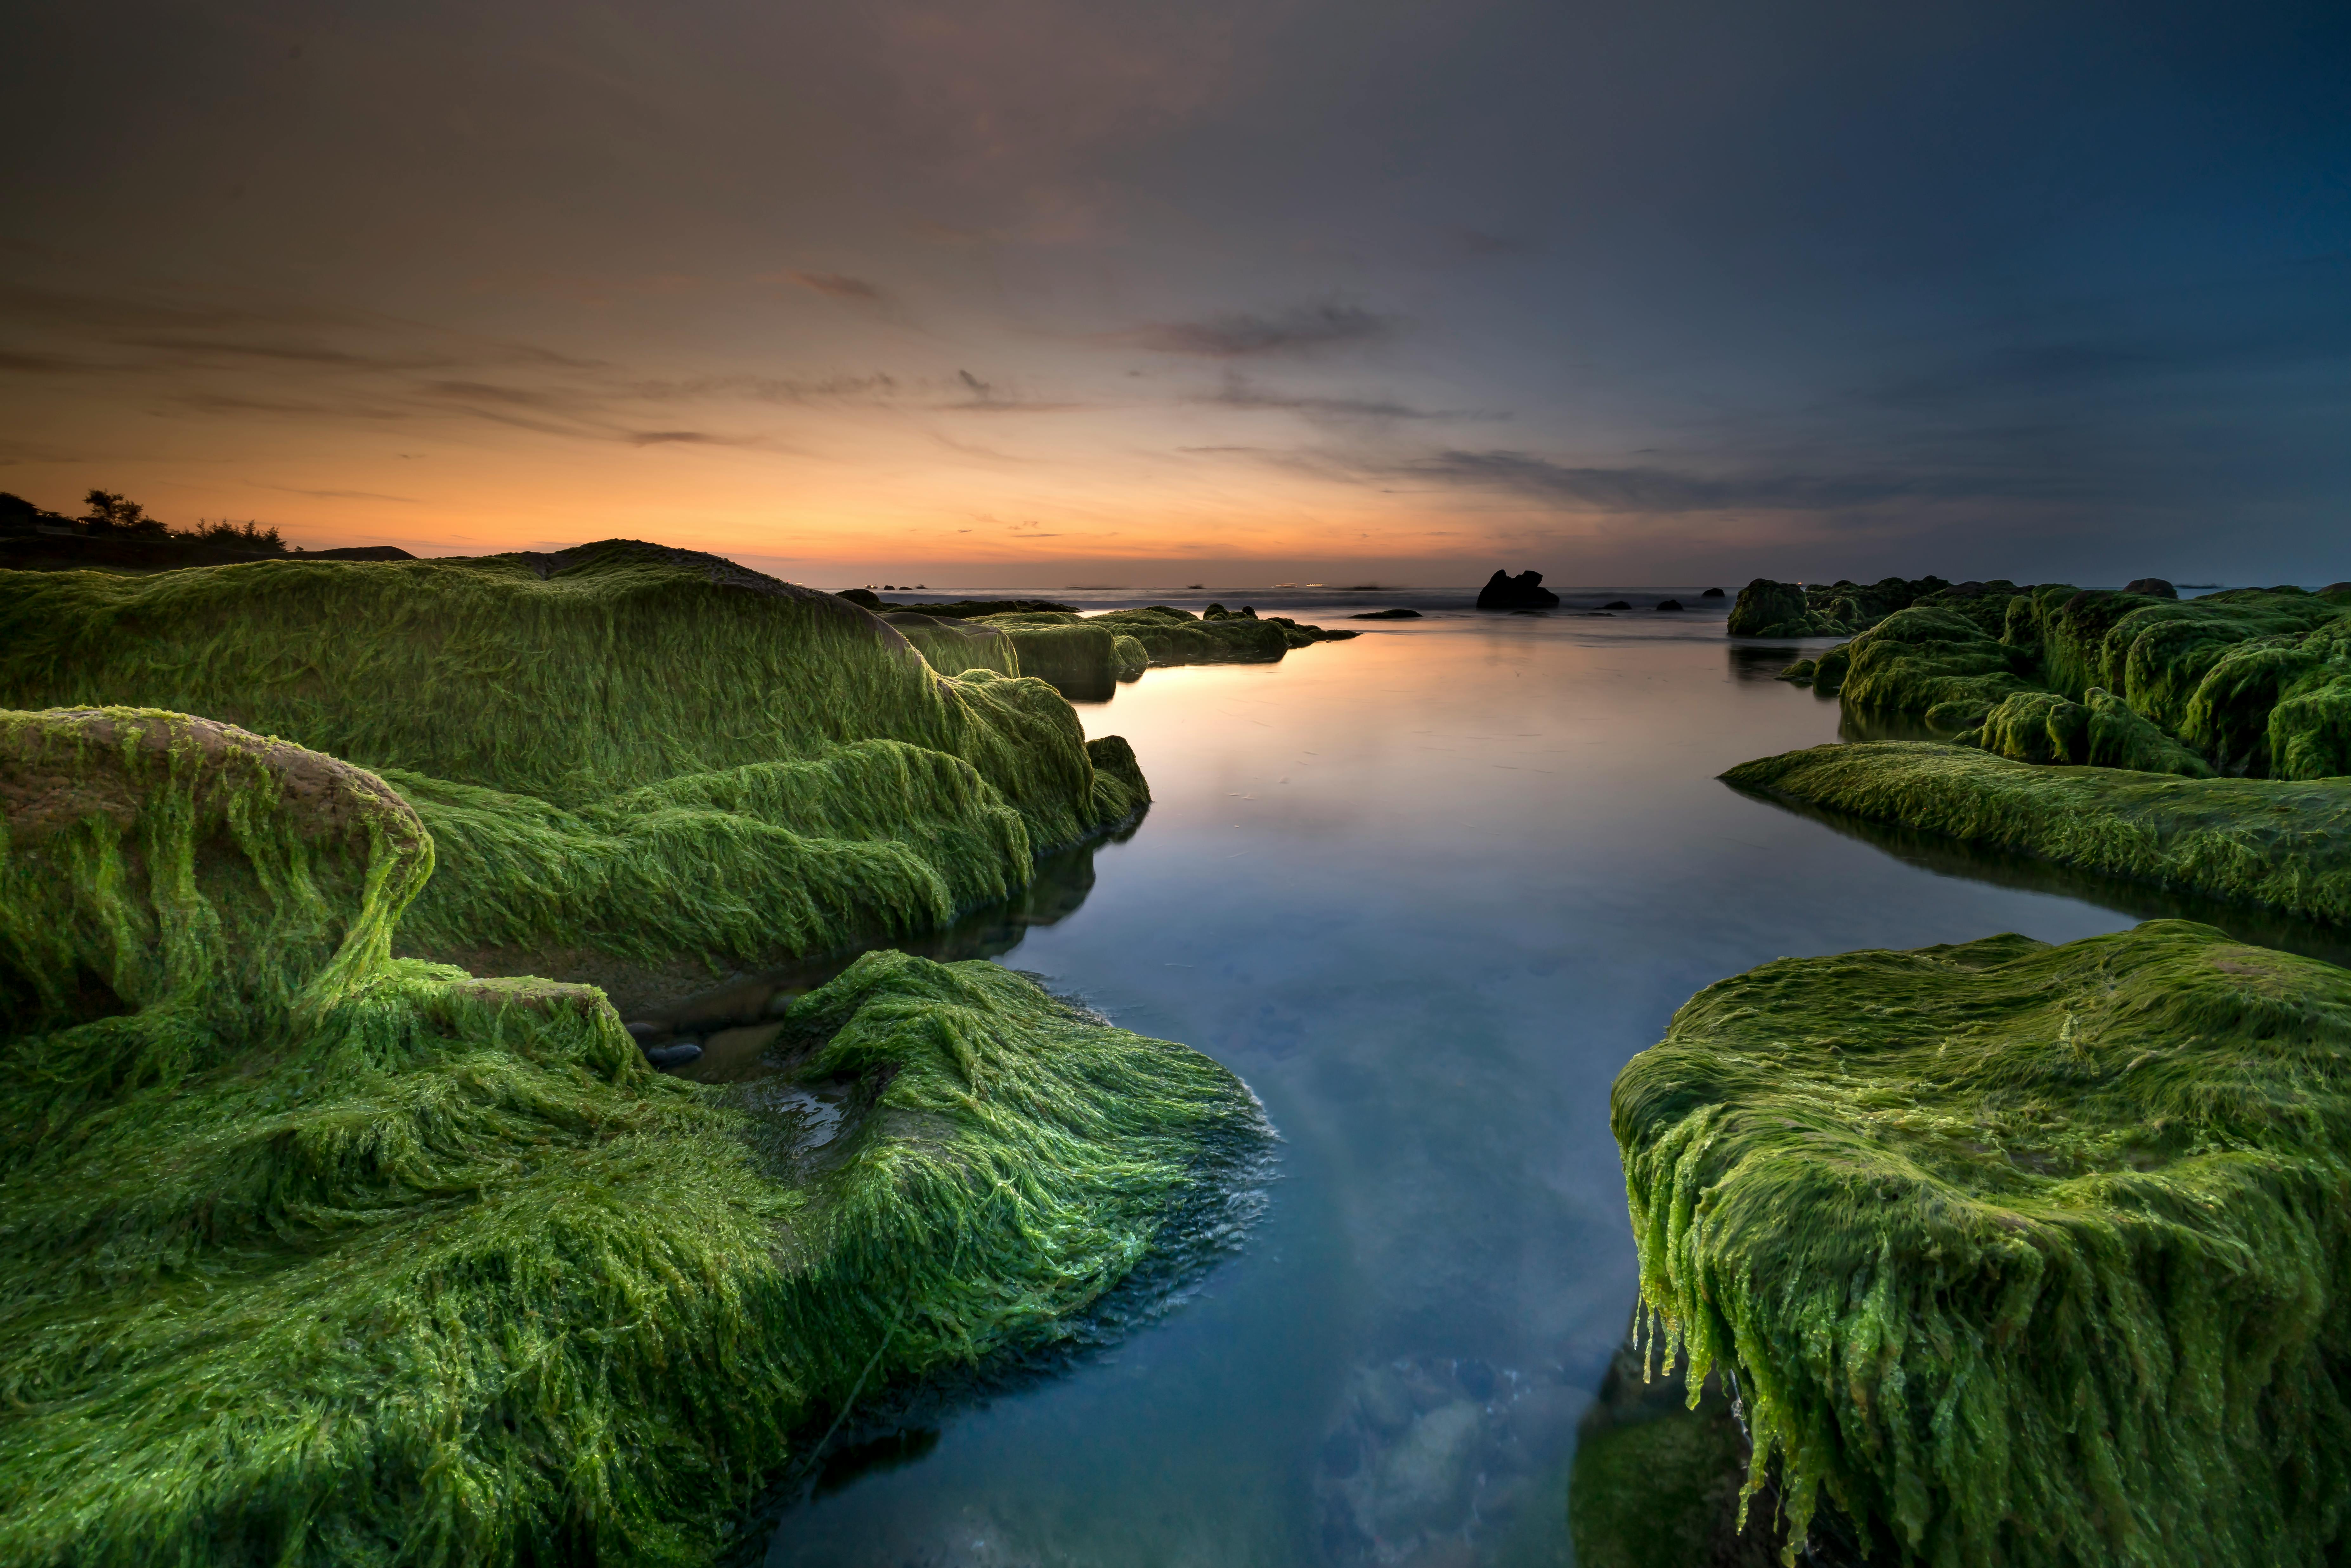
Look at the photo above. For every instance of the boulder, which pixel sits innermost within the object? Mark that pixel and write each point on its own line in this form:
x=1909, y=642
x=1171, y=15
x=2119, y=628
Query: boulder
x=1711, y=593
x=1669, y=604
x=1618, y=604
x=2153, y=586
x=1524, y=591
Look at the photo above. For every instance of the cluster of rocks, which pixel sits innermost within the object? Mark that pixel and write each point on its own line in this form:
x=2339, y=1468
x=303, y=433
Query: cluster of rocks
x=1428, y=1462
x=1524, y=591
x=1840, y=609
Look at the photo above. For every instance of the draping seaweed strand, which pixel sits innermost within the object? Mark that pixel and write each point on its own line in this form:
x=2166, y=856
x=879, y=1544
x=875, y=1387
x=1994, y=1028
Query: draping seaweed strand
x=635, y=747
x=2024, y=1255
x=312, y=1255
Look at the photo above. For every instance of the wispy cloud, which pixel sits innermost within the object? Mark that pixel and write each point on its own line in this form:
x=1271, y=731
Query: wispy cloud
x=1654, y=489
x=1240, y=391
x=1237, y=333
x=837, y=286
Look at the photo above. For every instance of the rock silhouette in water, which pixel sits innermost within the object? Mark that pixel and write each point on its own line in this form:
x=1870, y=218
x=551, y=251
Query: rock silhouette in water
x=1387, y=615
x=1524, y=591
x=1711, y=593
x=2153, y=586
x=1669, y=604
x=1618, y=604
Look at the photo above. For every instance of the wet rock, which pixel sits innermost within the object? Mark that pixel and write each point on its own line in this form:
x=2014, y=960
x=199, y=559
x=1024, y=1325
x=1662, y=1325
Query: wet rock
x=675, y=1054
x=644, y=1030
x=1669, y=604
x=2153, y=586
x=1424, y=1480
x=1711, y=593
x=1387, y=615
x=1385, y=1399
x=1524, y=591
x=1618, y=604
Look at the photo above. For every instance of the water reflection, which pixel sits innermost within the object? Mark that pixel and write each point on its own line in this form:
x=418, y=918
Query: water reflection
x=1425, y=892
x=1763, y=660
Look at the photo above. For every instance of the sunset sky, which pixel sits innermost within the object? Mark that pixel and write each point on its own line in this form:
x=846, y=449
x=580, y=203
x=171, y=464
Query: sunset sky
x=1049, y=292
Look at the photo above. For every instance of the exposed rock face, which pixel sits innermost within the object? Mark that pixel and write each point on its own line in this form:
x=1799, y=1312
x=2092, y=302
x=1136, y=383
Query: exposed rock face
x=1524, y=591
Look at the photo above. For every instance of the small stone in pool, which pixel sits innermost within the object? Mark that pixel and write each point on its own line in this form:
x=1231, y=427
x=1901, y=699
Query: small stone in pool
x=644, y=1030
x=675, y=1054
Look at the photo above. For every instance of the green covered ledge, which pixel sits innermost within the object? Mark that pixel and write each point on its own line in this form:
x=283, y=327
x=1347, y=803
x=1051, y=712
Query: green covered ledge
x=2020, y=1255
x=313, y=1255
x=2272, y=843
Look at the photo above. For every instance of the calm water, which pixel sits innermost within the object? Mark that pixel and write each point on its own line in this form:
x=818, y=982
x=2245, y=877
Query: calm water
x=1425, y=892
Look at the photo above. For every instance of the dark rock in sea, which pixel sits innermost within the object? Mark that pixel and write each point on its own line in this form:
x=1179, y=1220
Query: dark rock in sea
x=1524, y=591
x=1669, y=604
x=1387, y=615
x=676, y=1054
x=644, y=1030
x=1618, y=604
x=1711, y=593
x=865, y=596
x=2153, y=586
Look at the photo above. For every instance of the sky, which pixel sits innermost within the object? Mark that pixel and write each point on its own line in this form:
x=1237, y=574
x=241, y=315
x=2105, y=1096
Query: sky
x=1051, y=293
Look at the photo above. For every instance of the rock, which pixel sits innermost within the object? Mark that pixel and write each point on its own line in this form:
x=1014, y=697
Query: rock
x=2337, y=588
x=1524, y=591
x=1385, y=1399
x=1711, y=593
x=1618, y=604
x=644, y=1030
x=678, y=1053
x=1424, y=1480
x=864, y=596
x=2153, y=586
x=1669, y=604
x=1387, y=615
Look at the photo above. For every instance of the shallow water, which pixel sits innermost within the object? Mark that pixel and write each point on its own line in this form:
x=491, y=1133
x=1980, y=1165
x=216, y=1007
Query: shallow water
x=1426, y=891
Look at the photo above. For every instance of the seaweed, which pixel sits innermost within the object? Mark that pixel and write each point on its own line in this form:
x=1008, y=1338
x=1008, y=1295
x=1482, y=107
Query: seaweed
x=310, y=1254
x=2270, y=843
x=632, y=746
x=2042, y=726
x=2020, y=1255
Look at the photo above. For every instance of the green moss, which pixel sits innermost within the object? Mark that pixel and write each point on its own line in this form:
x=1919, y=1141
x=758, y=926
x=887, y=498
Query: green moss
x=2024, y=1255
x=2285, y=846
x=952, y=646
x=2256, y=682
x=2042, y=726
x=1768, y=609
x=633, y=746
x=1173, y=636
x=1128, y=657
x=310, y=1255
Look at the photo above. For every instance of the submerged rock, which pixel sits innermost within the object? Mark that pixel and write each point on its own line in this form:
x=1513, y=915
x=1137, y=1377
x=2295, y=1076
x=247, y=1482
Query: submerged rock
x=1387, y=615
x=678, y=1053
x=1524, y=591
x=2026, y=1255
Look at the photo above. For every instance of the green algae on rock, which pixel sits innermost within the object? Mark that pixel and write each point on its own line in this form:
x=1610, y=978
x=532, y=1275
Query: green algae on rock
x=2021, y=1255
x=313, y=1255
x=1768, y=609
x=2042, y=726
x=632, y=744
x=2277, y=844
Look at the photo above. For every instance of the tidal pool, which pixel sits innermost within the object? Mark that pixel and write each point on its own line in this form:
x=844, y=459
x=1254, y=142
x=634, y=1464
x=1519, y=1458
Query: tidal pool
x=1426, y=891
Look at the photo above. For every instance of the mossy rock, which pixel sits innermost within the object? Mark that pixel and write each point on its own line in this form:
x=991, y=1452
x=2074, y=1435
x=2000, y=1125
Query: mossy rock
x=2024, y=1255
x=952, y=646
x=1173, y=636
x=2042, y=726
x=2265, y=842
x=313, y=1255
x=640, y=751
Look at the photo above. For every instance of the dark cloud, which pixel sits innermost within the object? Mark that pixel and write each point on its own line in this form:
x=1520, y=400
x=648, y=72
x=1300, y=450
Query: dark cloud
x=838, y=286
x=1660, y=490
x=1240, y=391
x=1237, y=333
